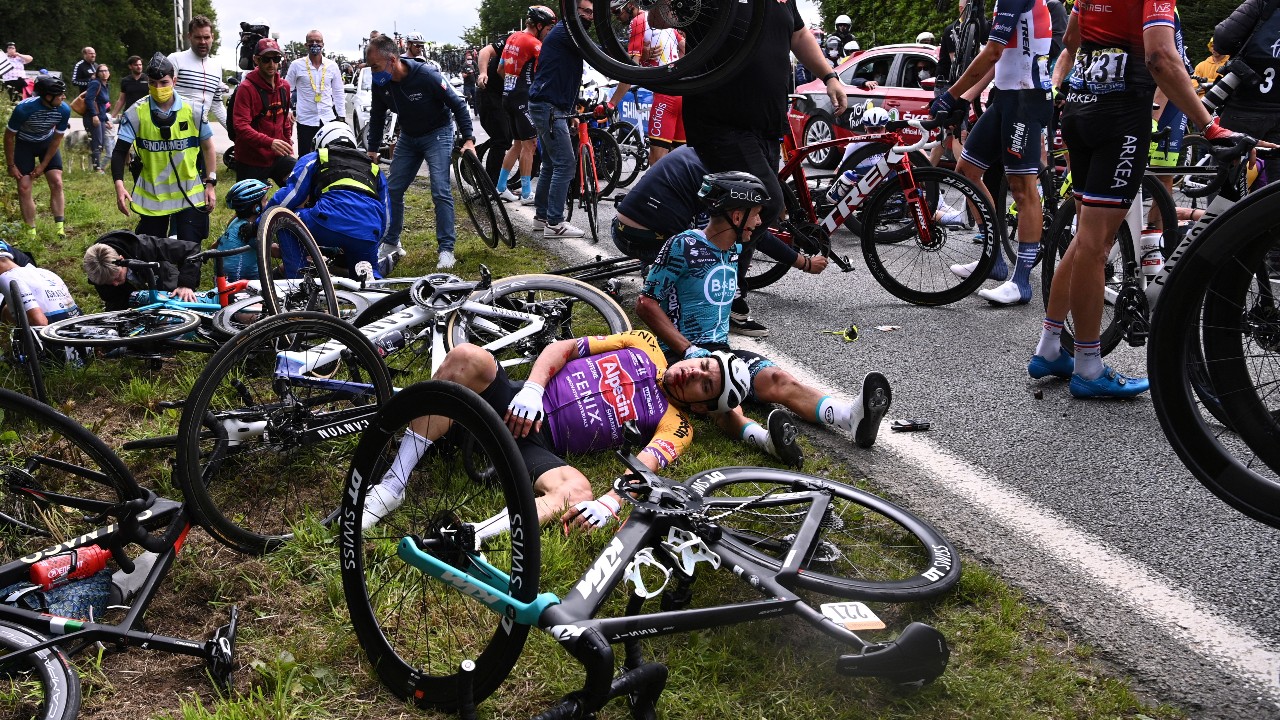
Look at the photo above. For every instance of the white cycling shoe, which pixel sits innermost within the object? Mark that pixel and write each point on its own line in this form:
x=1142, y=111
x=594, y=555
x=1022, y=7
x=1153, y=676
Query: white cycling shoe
x=1007, y=293
x=379, y=503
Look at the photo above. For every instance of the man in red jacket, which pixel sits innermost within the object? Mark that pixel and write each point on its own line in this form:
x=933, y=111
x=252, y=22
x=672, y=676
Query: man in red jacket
x=264, y=148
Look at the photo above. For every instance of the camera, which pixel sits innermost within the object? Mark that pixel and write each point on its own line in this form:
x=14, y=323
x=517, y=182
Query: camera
x=1234, y=74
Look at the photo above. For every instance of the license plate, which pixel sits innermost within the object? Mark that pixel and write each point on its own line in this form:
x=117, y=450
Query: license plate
x=852, y=616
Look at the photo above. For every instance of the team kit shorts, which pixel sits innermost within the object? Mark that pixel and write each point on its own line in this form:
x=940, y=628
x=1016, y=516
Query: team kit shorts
x=517, y=107
x=1109, y=137
x=666, y=122
x=1011, y=131
x=537, y=448
x=27, y=154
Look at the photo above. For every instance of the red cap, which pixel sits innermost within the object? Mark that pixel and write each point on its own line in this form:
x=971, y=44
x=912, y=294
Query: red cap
x=266, y=45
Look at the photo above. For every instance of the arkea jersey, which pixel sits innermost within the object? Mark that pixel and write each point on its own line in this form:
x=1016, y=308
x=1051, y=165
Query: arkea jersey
x=40, y=288
x=1025, y=29
x=519, y=60
x=1111, y=58
x=694, y=281
x=652, y=47
x=615, y=379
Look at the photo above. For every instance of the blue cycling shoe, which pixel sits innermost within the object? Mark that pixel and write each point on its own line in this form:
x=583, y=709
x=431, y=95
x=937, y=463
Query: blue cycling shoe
x=1110, y=384
x=1064, y=367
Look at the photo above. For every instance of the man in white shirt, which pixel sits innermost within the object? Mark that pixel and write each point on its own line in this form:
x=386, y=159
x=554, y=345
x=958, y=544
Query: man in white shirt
x=320, y=97
x=198, y=76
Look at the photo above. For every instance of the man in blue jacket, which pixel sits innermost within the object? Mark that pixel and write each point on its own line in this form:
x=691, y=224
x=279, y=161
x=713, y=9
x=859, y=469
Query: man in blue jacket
x=344, y=199
x=422, y=101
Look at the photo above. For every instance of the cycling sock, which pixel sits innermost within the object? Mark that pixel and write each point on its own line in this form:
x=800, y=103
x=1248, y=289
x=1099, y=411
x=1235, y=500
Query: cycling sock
x=31, y=231
x=1022, y=274
x=1050, y=345
x=526, y=185
x=503, y=175
x=60, y=227
x=838, y=412
x=1089, y=359
x=756, y=436
x=59, y=219
x=412, y=448
x=495, y=525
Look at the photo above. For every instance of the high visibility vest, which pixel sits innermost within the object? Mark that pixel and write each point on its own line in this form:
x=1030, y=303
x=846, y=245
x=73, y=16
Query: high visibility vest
x=169, y=181
x=346, y=169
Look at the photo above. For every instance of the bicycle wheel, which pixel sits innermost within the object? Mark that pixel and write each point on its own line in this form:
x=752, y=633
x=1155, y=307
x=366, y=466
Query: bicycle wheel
x=313, y=289
x=917, y=270
x=477, y=203
x=416, y=630
x=268, y=426
x=58, y=477
x=719, y=35
x=239, y=315
x=24, y=345
x=866, y=548
x=1195, y=155
x=590, y=194
x=895, y=226
x=40, y=686
x=120, y=327
x=476, y=187
x=608, y=160
x=569, y=309
x=1217, y=317
x=791, y=230
x=632, y=154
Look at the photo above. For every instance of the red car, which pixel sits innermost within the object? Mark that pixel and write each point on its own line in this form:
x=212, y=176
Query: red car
x=898, y=69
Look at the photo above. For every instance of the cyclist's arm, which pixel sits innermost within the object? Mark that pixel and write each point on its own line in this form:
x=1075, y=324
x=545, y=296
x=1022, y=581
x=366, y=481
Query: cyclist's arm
x=1070, y=44
x=1165, y=64
x=552, y=359
x=618, y=93
x=650, y=311
x=979, y=86
x=980, y=70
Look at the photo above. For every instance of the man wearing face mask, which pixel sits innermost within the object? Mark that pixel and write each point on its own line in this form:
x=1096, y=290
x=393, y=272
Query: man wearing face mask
x=167, y=133
x=318, y=83
x=260, y=116
x=198, y=75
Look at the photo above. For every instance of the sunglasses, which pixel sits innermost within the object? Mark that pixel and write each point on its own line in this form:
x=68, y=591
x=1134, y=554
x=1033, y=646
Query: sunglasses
x=270, y=59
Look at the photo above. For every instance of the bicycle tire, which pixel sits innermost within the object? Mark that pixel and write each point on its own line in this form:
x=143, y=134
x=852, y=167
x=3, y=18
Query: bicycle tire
x=1204, y=304
x=608, y=160
x=58, y=476
x=315, y=271
x=590, y=194
x=49, y=669
x=119, y=328
x=861, y=155
x=557, y=299
x=414, y=630
x=868, y=548
x=896, y=265
x=763, y=270
x=477, y=179
x=478, y=206
x=25, y=345
x=247, y=429
x=632, y=154
x=230, y=320
x=705, y=62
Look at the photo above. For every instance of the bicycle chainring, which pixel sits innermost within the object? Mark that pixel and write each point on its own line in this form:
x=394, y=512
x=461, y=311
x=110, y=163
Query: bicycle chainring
x=658, y=497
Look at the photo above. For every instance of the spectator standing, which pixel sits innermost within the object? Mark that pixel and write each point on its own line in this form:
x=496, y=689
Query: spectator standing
x=423, y=102
x=14, y=73
x=1211, y=67
x=1250, y=33
x=264, y=127
x=199, y=76
x=85, y=67
x=132, y=88
x=97, y=118
x=519, y=60
x=469, y=77
x=493, y=118
x=31, y=142
x=551, y=97
x=165, y=131
x=318, y=82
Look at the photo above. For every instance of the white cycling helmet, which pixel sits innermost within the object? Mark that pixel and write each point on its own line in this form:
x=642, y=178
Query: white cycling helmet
x=334, y=131
x=851, y=47
x=874, y=117
x=843, y=20
x=415, y=38
x=925, y=38
x=737, y=382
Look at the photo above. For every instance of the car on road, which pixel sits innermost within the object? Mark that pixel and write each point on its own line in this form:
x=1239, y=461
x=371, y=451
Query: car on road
x=899, y=71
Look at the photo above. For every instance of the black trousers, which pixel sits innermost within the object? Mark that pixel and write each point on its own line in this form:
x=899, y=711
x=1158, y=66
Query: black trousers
x=493, y=118
x=189, y=224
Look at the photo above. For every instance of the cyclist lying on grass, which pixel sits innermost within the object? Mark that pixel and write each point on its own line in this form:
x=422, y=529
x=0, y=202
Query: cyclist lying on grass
x=686, y=301
x=44, y=296
x=576, y=398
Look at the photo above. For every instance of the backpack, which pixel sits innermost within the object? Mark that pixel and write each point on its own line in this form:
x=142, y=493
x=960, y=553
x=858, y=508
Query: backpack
x=266, y=105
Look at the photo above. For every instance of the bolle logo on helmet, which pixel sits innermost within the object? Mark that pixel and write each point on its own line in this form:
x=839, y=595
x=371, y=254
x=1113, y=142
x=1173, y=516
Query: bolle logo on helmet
x=748, y=195
x=617, y=387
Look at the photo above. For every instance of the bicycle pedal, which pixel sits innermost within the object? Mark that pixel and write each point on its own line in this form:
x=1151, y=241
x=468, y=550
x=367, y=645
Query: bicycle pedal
x=221, y=651
x=171, y=404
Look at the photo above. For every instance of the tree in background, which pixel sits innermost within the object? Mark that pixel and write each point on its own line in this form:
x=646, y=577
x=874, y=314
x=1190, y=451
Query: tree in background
x=499, y=17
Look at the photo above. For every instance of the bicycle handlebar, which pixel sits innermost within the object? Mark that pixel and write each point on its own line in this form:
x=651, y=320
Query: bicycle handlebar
x=1228, y=157
x=136, y=264
x=924, y=126
x=214, y=253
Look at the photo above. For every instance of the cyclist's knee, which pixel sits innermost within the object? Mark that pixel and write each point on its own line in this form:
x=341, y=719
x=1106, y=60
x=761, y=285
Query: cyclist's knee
x=468, y=365
x=773, y=384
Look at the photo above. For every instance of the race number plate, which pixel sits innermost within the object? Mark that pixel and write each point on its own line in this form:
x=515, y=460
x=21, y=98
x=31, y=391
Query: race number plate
x=852, y=615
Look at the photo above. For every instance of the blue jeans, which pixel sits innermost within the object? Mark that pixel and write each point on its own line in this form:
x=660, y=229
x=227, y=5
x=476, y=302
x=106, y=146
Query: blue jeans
x=436, y=148
x=557, y=154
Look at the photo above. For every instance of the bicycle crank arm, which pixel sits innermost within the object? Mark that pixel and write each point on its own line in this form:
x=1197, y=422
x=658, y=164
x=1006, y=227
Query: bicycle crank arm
x=469, y=584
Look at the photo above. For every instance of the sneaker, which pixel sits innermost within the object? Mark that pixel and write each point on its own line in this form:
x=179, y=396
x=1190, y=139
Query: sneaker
x=446, y=261
x=1110, y=384
x=388, y=255
x=980, y=239
x=1064, y=367
x=783, y=432
x=379, y=503
x=527, y=200
x=1007, y=293
x=563, y=230
x=952, y=217
x=747, y=326
x=508, y=196
x=539, y=224
x=999, y=271
x=876, y=397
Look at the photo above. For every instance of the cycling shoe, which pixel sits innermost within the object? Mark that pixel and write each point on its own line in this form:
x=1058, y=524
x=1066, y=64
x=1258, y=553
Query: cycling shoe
x=783, y=432
x=1110, y=384
x=1064, y=367
x=1007, y=293
x=876, y=397
x=999, y=271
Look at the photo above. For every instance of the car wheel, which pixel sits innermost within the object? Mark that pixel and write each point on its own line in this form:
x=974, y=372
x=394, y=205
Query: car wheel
x=819, y=128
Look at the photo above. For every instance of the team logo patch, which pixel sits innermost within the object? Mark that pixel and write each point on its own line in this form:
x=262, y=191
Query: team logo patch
x=617, y=387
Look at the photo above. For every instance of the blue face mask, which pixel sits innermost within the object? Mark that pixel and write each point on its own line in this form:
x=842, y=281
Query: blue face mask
x=316, y=49
x=381, y=78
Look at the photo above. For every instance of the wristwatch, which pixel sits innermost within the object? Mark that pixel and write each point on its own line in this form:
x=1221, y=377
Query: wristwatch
x=211, y=179
x=828, y=76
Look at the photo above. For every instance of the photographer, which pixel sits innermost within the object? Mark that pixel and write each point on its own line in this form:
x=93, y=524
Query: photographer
x=1248, y=35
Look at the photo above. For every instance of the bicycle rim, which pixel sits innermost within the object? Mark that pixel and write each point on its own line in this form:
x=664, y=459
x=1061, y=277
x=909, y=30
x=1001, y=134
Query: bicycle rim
x=608, y=160
x=42, y=685
x=121, y=327
x=590, y=196
x=24, y=346
x=264, y=436
x=631, y=151
x=893, y=227
x=313, y=289
x=417, y=630
x=475, y=200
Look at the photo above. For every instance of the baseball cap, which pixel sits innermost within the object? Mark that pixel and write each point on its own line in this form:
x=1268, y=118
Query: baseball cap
x=266, y=45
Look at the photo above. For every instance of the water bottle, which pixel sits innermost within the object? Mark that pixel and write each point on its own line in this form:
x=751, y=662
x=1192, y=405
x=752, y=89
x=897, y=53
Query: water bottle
x=65, y=567
x=390, y=342
x=1152, y=255
x=842, y=186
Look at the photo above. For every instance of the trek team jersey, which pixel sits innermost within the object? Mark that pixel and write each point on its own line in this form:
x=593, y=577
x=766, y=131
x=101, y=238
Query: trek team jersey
x=40, y=288
x=519, y=60
x=35, y=122
x=651, y=47
x=694, y=281
x=1025, y=29
x=615, y=379
x=1111, y=56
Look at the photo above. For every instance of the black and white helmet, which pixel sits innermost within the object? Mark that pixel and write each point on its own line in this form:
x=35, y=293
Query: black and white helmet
x=737, y=381
x=50, y=85
x=732, y=190
x=334, y=131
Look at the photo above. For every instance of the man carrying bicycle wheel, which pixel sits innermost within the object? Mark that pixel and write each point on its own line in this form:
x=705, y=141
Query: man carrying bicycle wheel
x=686, y=302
